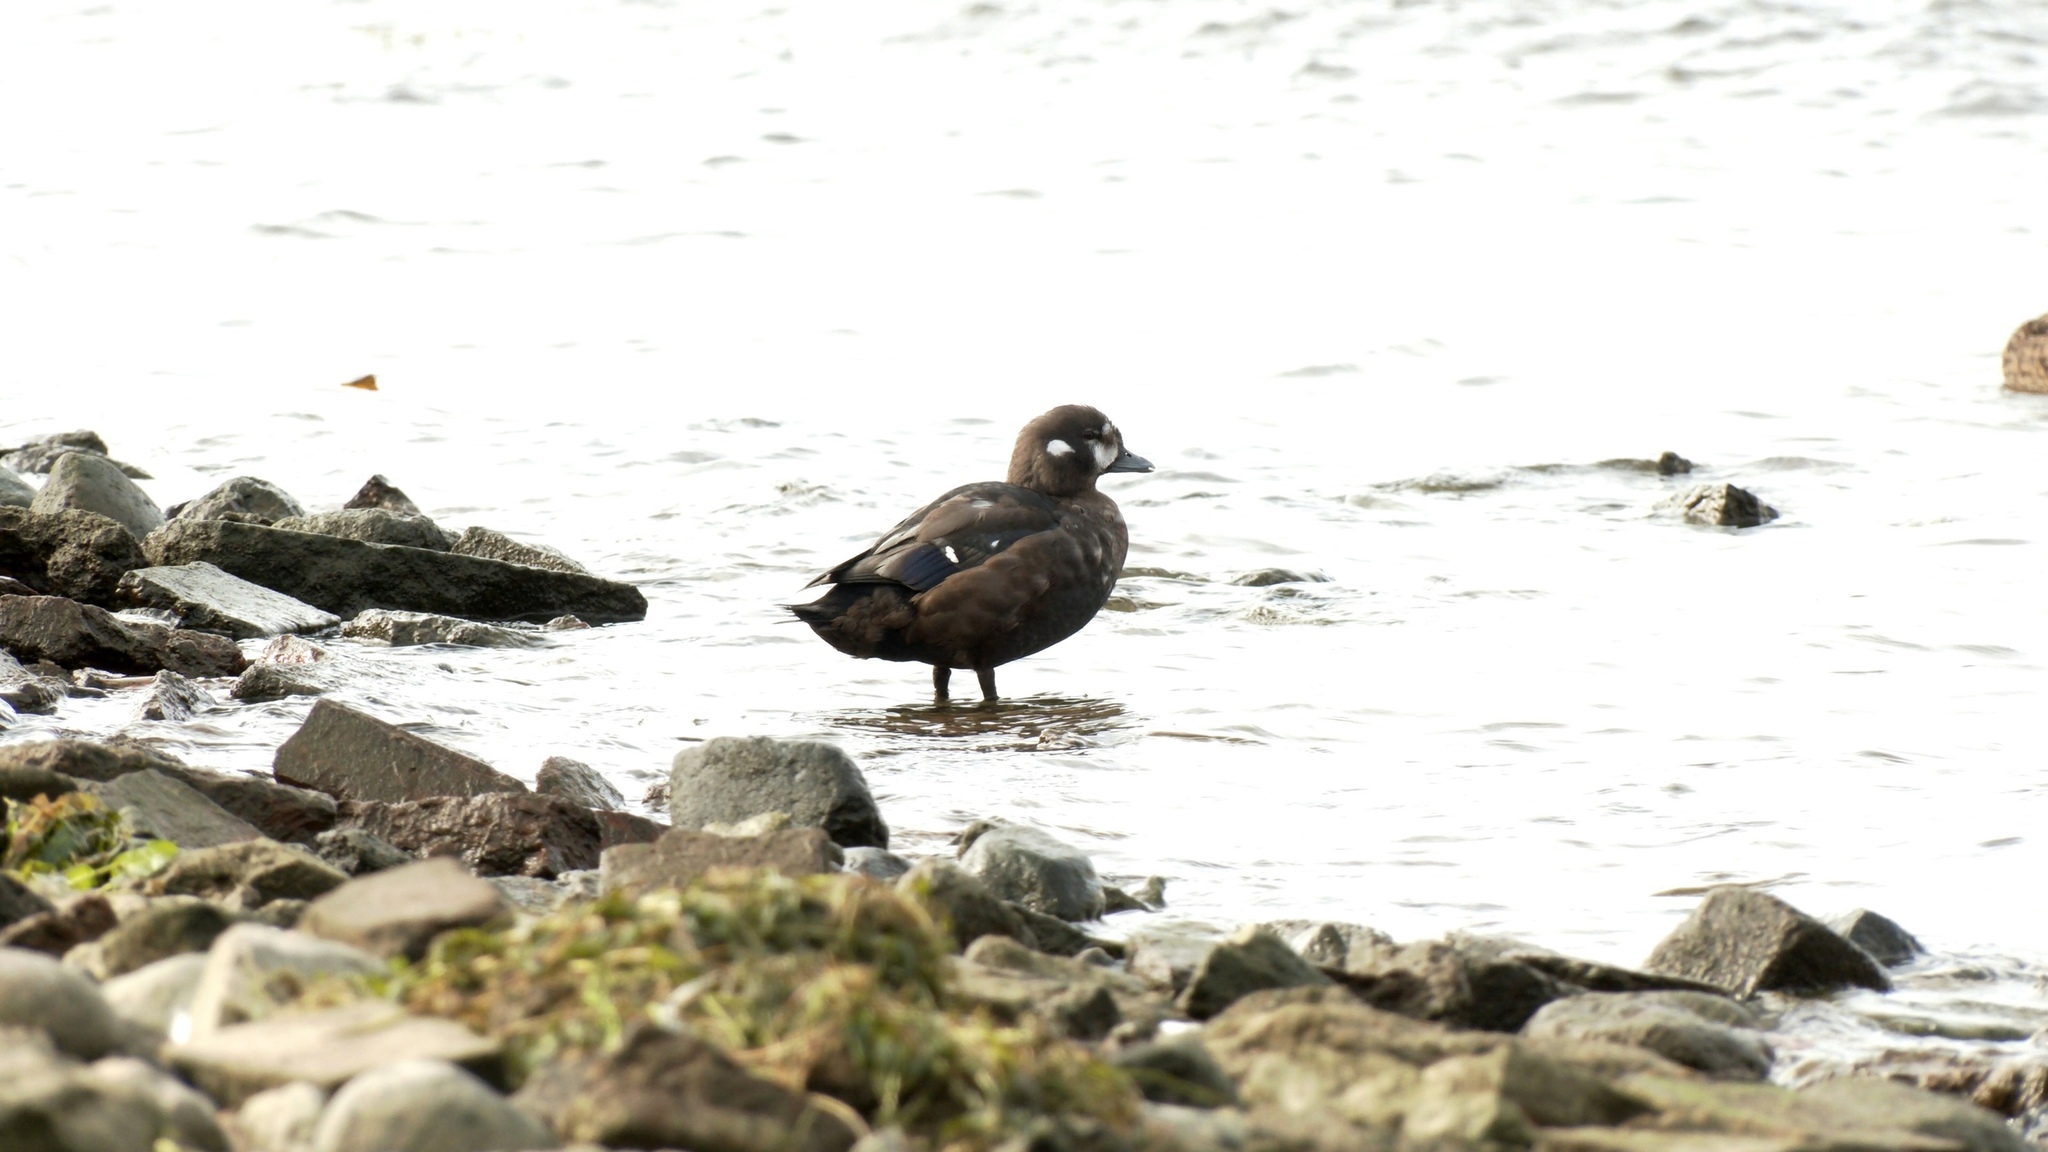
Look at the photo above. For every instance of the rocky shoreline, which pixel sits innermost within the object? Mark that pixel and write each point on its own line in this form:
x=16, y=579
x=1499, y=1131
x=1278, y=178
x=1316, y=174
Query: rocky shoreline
x=386, y=944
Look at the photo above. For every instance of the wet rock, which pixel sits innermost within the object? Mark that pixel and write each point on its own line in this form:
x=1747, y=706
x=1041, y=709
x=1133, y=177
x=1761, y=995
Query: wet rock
x=26, y=691
x=1247, y=961
x=374, y=526
x=346, y=577
x=352, y=755
x=37, y=991
x=1748, y=942
x=424, y=1106
x=279, y=811
x=79, y=920
x=253, y=969
x=1332, y=944
x=1714, y=1034
x=962, y=904
x=250, y=874
x=75, y=635
x=1266, y=577
x=682, y=855
x=625, y=828
x=244, y=497
x=578, y=783
x=1881, y=936
x=207, y=599
x=406, y=629
x=39, y=454
x=1722, y=505
x=358, y=853
x=26, y=781
x=261, y=682
x=495, y=834
x=1033, y=868
x=52, y=1104
x=78, y=555
x=2025, y=362
x=169, y=926
x=398, y=912
x=1177, y=1071
x=14, y=491
x=82, y=482
x=18, y=901
x=80, y=760
x=876, y=864
x=1072, y=997
x=1472, y=982
x=1672, y=464
x=185, y=1116
x=377, y=492
x=667, y=1090
x=325, y=1049
x=155, y=995
x=498, y=546
x=163, y=808
x=730, y=779
x=175, y=698
x=564, y=624
x=280, y=1119
x=1053, y=935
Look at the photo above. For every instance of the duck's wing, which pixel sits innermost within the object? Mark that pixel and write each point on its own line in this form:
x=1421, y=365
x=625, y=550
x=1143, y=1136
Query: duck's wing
x=959, y=531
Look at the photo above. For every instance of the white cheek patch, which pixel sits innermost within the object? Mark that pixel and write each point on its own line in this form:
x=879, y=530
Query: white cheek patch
x=950, y=554
x=1105, y=455
x=1058, y=448
x=1108, y=429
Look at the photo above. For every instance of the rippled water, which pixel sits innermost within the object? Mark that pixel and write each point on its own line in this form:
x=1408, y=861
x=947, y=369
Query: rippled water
x=1398, y=295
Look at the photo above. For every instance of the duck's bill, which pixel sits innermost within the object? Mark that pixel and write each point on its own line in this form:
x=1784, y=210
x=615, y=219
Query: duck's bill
x=1130, y=463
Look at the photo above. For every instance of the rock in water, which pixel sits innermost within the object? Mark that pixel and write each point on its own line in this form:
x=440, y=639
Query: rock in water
x=1723, y=506
x=75, y=635
x=424, y=1106
x=174, y=697
x=206, y=598
x=2026, y=357
x=374, y=526
x=244, y=497
x=1033, y=868
x=39, y=454
x=1249, y=960
x=83, y=482
x=352, y=755
x=405, y=629
x=377, y=492
x=731, y=779
x=1881, y=936
x=578, y=783
x=1714, y=1034
x=80, y=555
x=498, y=546
x=1749, y=942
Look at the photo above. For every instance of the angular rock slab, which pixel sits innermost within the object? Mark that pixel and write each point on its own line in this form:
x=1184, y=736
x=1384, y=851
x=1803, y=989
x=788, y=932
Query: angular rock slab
x=496, y=834
x=424, y=1106
x=75, y=635
x=1881, y=936
x=731, y=779
x=175, y=698
x=1468, y=981
x=498, y=546
x=578, y=783
x=682, y=855
x=326, y=1049
x=1249, y=960
x=162, y=807
x=408, y=629
x=398, y=912
x=1034, y=868
x=210, y=600
x=79, y=555
x=83, y=482
x=374, y=526
x=352, y=755
x=1748, y=942
x=243, y=496
x=347, y=577
x=279, y=811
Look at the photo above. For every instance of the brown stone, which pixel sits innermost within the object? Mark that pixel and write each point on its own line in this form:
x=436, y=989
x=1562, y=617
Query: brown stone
x=250, y=874
x=626, y=828
x=1748, y=942
x=399, y=912
x=80, y=921
x=495, y=834
x=352, y=755
x=682, y=855
x=75, y=635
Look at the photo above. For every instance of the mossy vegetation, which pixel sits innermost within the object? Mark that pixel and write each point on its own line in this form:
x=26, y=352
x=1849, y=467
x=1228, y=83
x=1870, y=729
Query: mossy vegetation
x=830, y=984
x=80, y=839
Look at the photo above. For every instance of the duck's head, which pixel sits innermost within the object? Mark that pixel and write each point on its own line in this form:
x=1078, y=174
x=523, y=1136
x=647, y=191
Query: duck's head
x=1062, y=452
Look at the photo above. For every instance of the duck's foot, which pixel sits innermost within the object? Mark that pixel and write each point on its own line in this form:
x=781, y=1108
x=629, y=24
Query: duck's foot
x=987, y=676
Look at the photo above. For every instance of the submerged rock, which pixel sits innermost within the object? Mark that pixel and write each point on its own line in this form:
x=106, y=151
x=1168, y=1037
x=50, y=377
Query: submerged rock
x=495, y=833
x=1723, y=506
x=83, y=482
x=1033, y=868
x=374, y=526
x=498, y=546
x=262, y=682
x=75, y=635
x=730, y=779
x=245, y=498
x=352, y=755
x=78, y=555
x=1748, y=942
x=405, y=629
x=205, y=598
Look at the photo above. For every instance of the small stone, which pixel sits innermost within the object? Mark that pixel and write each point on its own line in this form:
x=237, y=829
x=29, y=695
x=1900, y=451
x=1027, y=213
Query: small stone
x=85, y=482
x=578, y=783
x=729, y=779
x=1748, y=942
x=170, y=926
x=1723, y=506
x=962, y=904
x=1267, y=577
x=424, y=1106
x=37, y=455
x=373, y=526
x=358, y=853
x=281, y=1119
x=250, y=874
x=258, y=501
x=683, y=855
x=495, y=834
x=1035, y=869
x=251, y=969
x=1881, y=936
x=352, y=755
x=263, y=682
x=377, y=492
x=400, y=911
x=498, y=546
x=175, y=698
x=279, y=811
x=876, y=864
x=564, y=624
x=2025, y=362
x=75, y=635
x=1248, y=960
x=203, y=597
x=325, y=1048
x=36, y=991
x=14, y=491
x=188, y=1117
x=157, y=995
x=408, y=629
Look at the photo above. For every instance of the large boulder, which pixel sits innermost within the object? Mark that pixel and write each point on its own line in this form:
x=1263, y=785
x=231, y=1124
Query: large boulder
x=2025, y=362
x=78, y=555
x=1714, y=1034
x=730, y=779
x=75, y=635
x=424, y=1106
x=346, y=577
x=326, y=1049
x=84, y=482
x=245, y=498
x=352, y=755
x=205, y=598
x=1031, y=867
x=682, y=855
x=1748, y=942
x=494, y=834
x=398, y=912
x=374, y=526
x=498, y=546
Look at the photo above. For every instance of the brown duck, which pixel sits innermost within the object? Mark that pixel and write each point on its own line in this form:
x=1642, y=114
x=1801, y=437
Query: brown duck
x=990, y=573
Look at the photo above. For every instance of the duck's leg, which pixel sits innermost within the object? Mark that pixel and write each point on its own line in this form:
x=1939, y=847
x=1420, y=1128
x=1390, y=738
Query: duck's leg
x=941, y=676
x=987, y=676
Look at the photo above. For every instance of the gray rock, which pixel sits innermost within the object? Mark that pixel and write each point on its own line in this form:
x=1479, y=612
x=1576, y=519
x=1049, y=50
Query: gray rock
x=81, y=481
x=1177, y=1071
x=358, y=853
x=175, y=698
x=325, y=1049
x=243, y=496
x=205, y=598
x=352, y=755
x=250, y=874
x=406, y=629
x=1722, y=505
x=564, y=624
x=25, y=691
x=962, y=904
x=1247, y=961
x=374, y=526
x=424, y=1106
x=495, y=834
x=2025, y=361
x=731, y=779
x=682, y=855
x=1329, y=944
x=1468, y=981
x=1714, y=1034
x=377, y=492
x=1881, y=936
x=281, y=1119
x=161, y=807
x=154, y=996
x=399, y=912
x=75, y=635
x=186, y=1116
x=39, y=454
x=169, y=926
x=37, y=991
x=876, y=864
x=14, y=491
x=1033, y=868
x=51, y=1104
x=279, y=811
x=261, y=682
x=578, y=783
x=252, y=969
x=498, y=546
x=531, y=894
x=1748, y=942
x=79, y=555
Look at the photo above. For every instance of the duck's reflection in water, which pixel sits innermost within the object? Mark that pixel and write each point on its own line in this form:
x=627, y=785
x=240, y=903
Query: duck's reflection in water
x=1029, y=723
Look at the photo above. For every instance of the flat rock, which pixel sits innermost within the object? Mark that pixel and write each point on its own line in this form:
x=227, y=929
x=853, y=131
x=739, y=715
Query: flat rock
x=38, y=991
x=76, y=921
x=255, y=501
x=346, y=577
x=164, y=808
x=261, y=682
x=207, y=599
x=326, y=1049
x=578, y=783
x=407, y=629
x=682, y=855
x=398, y=912
x=1247, y=961
x=84, y=482
x=495, y=834
x=14, y=491
x=498, y=546
x=75, y=635
x=253, y=969
x=1723, y=506
x=1714, y=1034
x=1854, y=1113
x=279, y=811
x=730, y=779
x=78, y=555
x=155, y=995
x=1031, y=867
x=249, y=874
x=1748, y=942
x=1881, y=936
x=374, y=526
x=170, y=926
x=358, y=853
x=80, y=759
x=424, y=1106
x=352, y=755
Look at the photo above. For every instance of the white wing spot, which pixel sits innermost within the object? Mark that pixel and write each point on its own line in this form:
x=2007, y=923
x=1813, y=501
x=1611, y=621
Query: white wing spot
x=1058, y=448
x=982, y=504
x=950, y=554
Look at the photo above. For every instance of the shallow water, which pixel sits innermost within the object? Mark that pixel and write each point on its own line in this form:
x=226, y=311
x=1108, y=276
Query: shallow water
x=708, y=297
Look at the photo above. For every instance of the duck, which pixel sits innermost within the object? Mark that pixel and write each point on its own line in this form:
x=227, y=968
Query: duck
x=990, y=572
